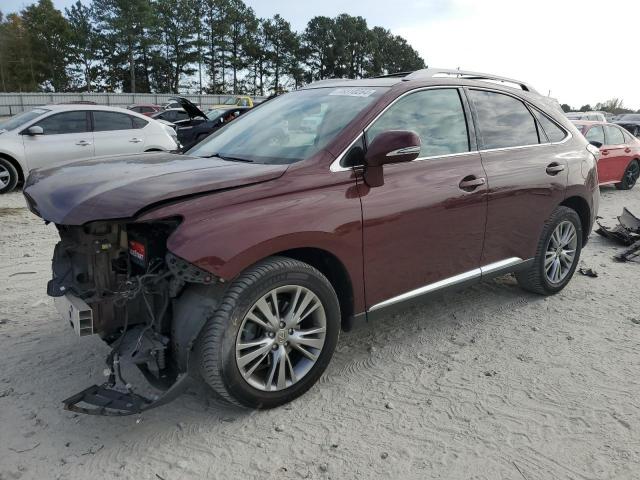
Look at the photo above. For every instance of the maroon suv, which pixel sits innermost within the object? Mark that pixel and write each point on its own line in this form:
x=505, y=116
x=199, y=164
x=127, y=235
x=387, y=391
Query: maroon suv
x=240, y=262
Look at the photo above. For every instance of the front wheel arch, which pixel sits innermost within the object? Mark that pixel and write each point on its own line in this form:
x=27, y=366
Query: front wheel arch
x=17, y=166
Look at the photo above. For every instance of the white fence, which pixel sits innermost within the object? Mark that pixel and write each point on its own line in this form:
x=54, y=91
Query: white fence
x=12, y=103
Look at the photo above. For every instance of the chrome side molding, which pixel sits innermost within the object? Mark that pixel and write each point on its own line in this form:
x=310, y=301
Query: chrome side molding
x=404, y=151
x=448, y=282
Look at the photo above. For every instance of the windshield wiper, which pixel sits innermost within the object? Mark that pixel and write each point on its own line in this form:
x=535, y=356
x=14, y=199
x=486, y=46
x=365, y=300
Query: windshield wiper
x=231, y=159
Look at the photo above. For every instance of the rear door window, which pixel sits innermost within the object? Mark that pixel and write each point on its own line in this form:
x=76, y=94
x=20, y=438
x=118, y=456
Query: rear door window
x=108, y=121
x=67, y=122
x=614, y=136
x=595, y=134
x=437, y=116
x=504, y=121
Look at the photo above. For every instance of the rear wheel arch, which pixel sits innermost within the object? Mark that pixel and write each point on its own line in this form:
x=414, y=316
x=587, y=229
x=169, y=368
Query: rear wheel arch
x=16, y=164
x=581, y=207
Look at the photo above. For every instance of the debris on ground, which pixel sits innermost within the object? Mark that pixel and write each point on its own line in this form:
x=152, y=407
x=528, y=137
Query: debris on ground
x=588, y=272
x=626, y=233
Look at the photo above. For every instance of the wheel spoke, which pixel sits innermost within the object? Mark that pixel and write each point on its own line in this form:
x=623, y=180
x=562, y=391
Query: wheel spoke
x=304, y=351
x=308, y=304
x=267, y=326
x=265, y=310
x=310, y=342
x=282, y=369
x=548, y=260
x=244, y=360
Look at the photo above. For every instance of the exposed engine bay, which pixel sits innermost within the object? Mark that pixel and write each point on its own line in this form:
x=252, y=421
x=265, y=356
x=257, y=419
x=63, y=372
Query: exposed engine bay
x=118, y=280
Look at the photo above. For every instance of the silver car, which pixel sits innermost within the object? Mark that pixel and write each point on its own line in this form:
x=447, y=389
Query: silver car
x=53, y=134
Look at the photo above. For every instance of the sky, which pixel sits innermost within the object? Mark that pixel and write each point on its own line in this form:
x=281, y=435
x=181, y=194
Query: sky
x=576, y=50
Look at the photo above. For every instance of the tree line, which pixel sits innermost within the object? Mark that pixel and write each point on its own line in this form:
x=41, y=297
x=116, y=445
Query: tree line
x=613, y=105
x=173, y=46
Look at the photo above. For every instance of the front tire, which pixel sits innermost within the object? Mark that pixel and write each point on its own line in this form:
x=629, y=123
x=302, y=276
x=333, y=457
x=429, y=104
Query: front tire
x=630, y=176
x=557, y=254
x=272, y=336
x=8, y=176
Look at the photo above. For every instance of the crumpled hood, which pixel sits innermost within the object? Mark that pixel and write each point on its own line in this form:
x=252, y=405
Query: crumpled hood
x=114, y=187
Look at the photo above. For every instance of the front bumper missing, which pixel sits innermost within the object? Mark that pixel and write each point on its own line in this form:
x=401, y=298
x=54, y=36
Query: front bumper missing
x=106, y=400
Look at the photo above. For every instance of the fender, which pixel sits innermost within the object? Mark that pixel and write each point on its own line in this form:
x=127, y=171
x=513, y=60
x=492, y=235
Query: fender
x=226, y=232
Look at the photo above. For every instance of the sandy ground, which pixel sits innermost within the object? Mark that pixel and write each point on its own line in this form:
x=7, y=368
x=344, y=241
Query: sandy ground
x=489, y=383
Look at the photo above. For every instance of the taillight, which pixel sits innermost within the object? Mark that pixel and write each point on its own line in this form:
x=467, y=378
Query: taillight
x=593, y=150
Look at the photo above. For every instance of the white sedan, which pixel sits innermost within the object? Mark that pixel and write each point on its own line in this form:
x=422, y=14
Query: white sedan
x=58, y=133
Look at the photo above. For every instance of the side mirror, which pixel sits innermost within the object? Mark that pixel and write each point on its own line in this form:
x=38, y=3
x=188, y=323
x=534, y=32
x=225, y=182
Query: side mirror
x=35, y=130
x=393, y=146
x=596, y=144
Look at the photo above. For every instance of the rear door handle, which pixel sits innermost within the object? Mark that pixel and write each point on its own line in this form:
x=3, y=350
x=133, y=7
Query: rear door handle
x=554, y=168
x=135, y=140
x=627, y=150
x=604, y=152
x=471, y=182
x=83, y=143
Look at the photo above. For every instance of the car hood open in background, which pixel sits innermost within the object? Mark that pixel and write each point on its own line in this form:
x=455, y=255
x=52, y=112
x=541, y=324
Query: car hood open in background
x=192, y=110
x=115, y=187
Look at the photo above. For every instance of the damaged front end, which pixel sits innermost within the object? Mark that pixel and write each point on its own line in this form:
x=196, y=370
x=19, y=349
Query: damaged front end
x=119, y=281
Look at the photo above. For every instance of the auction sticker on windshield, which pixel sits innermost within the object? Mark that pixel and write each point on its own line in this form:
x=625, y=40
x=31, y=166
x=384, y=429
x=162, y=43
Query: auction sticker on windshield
x=353, y=92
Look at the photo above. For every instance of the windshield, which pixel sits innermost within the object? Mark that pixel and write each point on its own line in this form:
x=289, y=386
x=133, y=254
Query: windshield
x=22, y=118
x=230, y=101
x=629, y=116
x=289, y=128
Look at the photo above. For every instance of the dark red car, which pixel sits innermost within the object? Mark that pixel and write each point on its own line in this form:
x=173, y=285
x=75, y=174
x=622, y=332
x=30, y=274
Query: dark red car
x=619, y=162
x=239, y=262
x=146, y=109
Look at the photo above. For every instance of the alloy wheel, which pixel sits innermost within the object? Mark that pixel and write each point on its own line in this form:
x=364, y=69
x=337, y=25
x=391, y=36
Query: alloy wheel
x=281, y=338
x=5, y=176
x=632, y=174
x=561, y=252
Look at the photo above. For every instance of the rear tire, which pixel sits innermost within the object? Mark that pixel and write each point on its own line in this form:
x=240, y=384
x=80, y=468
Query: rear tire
x=630, y=176
x=8, y=176
x=551, y=270
x=246, y=323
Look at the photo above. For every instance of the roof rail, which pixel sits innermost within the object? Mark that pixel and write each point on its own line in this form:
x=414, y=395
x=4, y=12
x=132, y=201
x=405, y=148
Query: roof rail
x=447, y=72
x=391, y=75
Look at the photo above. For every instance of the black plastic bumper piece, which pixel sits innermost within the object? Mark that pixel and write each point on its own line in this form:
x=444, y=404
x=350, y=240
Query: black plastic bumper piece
x=105, y=400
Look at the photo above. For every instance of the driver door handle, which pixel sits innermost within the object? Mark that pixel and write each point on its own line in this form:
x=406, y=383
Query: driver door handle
x=554, y=168
x=471, y=182
x=83, y=143
x=135, y=140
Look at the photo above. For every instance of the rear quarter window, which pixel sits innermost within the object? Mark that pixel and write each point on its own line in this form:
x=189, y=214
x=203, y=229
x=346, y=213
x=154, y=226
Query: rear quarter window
x=553, y=131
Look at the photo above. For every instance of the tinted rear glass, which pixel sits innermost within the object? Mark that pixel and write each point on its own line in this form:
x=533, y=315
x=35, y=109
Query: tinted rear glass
x=106, y=121
x=504, y=121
